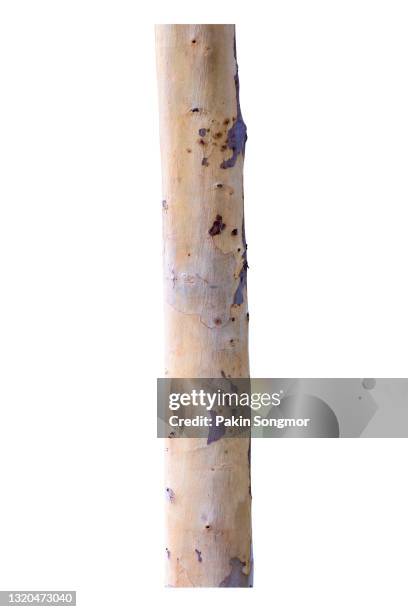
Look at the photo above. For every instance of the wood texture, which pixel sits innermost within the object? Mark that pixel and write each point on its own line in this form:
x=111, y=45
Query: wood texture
x=208, y=499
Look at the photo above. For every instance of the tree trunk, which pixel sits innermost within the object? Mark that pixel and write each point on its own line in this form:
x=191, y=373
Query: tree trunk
x=206, y=319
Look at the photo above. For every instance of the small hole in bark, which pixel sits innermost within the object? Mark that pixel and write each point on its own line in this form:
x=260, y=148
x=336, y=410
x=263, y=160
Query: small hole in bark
x=234, y=232
x=202, y=131
x=226, y=121
x=195, y=110
x=232, y=318
x=217, y=321
x=194, y=41
x=204, y=161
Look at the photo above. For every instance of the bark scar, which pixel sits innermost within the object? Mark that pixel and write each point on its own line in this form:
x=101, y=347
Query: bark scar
x=215, y=432
x=217, y=227
x=170, y=495
x=237, y=134
x=236, y=578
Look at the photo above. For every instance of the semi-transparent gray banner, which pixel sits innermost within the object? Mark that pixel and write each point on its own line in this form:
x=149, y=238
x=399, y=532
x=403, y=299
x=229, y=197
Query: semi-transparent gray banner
x=282, y=408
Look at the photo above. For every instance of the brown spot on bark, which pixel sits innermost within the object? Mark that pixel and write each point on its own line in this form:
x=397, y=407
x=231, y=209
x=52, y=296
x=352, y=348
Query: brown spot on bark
x=234, y=232
x=217, y=227
x=199, y=556
x=204, y=161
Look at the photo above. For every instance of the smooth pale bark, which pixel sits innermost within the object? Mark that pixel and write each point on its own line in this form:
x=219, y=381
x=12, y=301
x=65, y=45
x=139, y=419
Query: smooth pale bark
x=202, y=140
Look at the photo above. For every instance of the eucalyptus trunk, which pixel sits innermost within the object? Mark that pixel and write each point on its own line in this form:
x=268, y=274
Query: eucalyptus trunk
x=208, y=497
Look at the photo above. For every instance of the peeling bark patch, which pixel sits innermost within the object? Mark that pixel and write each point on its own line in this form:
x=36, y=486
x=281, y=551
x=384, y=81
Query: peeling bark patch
x=217, y=226
x=249, y=468
x=237, y=134
x=199, y=556
x=236, y=578
x=170, y=495
x=239, y=293
x=215, y=432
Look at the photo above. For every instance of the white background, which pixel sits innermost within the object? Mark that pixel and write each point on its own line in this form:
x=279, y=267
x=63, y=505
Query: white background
x=324, y=94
